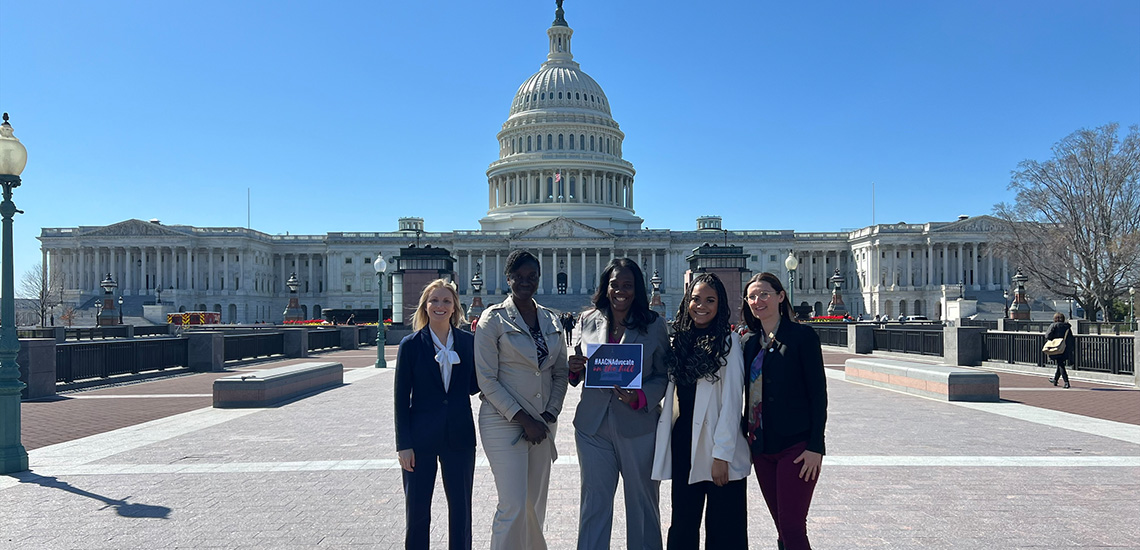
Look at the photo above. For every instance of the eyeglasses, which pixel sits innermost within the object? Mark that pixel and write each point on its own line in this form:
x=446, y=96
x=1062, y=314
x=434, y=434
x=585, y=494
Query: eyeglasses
x=763, y=295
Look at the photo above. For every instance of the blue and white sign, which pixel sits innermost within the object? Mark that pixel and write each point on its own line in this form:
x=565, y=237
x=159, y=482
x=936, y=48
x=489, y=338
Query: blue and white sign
x=610, y=365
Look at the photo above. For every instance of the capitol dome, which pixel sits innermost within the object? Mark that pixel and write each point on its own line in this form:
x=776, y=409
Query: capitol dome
x=560, y=150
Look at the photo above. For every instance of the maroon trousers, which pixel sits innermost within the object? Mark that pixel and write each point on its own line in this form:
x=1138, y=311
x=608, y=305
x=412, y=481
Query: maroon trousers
x=788, y=497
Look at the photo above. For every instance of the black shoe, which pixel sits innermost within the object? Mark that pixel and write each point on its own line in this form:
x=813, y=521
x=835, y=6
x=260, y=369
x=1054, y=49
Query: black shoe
x=1054, y=381
x=1066, y=385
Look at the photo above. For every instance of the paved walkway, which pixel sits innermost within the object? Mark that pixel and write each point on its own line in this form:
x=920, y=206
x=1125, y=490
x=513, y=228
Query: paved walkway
x=150, y=465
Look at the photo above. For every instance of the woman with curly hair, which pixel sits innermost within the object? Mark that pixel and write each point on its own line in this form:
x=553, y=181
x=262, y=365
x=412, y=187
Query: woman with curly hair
x=700, y=445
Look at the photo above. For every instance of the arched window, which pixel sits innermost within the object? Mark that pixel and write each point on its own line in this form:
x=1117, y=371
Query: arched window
x=539, y=143
x=559, y=95
x=582, y=141
x=609, y=151
x=577, y=96
x=543, y=95
x=561, y=189
x=549, y=141
x=528, y=143
x=573, y=187
x=549, y=189
x=571, y=142
x=560, y=146
x=591, y=143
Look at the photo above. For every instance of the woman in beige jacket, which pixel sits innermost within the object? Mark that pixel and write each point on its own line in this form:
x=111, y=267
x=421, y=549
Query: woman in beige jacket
x=520, y=361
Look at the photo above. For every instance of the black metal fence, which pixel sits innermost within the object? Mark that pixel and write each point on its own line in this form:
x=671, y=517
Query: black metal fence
x=1021, y=325
x=831, y=335
x=156, y=330
x=323, y=339
x=918, y=341
x=1108, y=354
x=105, y=359
x=249, y=346
x=990, y=325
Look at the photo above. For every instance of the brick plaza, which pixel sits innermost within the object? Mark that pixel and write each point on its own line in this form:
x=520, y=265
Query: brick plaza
x=151, y=465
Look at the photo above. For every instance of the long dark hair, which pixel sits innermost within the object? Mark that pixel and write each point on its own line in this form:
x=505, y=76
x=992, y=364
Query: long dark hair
x=640, y=316
x=695, y=356
x=784, y=308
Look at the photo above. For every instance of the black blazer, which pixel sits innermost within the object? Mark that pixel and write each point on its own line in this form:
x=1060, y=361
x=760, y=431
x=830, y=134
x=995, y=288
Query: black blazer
x=427, y=419
x=795, y=388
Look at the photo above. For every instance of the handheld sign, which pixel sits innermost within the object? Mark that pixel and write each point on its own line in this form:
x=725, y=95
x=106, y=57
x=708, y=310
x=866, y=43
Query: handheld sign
x=610, y=365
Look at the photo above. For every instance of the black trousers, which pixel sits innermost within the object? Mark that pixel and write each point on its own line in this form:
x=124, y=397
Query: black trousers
x=725, y=511
x=1061, y=372
x=458, y=469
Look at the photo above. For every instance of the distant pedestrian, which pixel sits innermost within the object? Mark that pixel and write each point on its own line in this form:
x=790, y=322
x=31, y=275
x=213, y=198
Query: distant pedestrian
x=1061, y=329
x=435, y=377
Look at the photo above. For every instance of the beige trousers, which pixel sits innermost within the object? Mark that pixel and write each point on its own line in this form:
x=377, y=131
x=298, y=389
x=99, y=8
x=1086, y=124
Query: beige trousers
x=522, y=478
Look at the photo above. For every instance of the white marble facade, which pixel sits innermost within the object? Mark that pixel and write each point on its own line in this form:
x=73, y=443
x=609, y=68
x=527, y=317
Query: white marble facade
x=561, y=189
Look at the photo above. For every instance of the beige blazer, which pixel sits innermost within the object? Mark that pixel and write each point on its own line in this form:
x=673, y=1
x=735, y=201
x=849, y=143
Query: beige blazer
x=506, y=362
x=593, y=329
x=716, y=427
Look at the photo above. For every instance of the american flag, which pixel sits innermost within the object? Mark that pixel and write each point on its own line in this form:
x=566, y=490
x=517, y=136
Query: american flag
x=558, y=177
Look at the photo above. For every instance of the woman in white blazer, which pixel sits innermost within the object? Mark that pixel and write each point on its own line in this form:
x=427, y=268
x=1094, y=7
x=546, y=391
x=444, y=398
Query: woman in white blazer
x=700, y=445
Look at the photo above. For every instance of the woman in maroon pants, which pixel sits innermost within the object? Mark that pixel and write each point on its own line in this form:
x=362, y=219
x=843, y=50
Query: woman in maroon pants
x=784, y=372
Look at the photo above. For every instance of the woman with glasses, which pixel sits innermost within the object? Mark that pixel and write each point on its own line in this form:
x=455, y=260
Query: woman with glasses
x=785, y=406
x=613, y=427
x=520, y=361
x=699, y=443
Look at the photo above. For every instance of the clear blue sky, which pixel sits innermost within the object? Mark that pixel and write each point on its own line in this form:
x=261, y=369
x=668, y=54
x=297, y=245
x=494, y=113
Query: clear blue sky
x=343, y=116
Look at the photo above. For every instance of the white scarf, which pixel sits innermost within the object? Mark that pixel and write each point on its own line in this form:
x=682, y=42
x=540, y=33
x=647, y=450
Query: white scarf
x=445, y=356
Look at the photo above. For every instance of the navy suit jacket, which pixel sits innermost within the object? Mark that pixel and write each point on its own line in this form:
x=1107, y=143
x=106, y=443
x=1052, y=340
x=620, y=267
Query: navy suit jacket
x=795, y=388
x=429, y=420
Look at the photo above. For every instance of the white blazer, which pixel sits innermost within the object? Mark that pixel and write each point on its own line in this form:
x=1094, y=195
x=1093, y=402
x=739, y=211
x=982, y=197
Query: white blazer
x=716, y=427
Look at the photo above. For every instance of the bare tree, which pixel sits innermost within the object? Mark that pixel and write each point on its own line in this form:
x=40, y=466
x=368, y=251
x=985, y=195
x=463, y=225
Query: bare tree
x=44, y=290
x=1075, y=224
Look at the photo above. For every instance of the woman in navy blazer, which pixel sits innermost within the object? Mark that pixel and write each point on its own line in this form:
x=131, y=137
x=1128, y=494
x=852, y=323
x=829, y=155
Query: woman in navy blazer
x=435, y=377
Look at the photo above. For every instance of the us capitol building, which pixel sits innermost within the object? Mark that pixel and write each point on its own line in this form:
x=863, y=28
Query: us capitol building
x=561, y=189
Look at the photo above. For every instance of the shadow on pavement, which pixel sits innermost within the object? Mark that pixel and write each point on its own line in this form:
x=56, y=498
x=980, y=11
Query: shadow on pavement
x=122, y=506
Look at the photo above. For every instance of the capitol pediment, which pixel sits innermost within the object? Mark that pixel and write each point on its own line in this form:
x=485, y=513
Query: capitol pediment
x=562, y=228
x=133, y=228
x=977, y=224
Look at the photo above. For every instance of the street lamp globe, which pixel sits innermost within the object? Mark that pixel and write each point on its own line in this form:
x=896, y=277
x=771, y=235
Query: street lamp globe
x=655, y=281
x=380, y=264
x=13, y=154
x=791, y=262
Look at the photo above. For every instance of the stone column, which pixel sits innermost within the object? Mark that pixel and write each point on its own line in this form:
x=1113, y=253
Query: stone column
x=189, y=268
x=961, y=267
x=597, y=263
x=583, y=289
x=945, y=263
x=977, y=280
x=313, y=283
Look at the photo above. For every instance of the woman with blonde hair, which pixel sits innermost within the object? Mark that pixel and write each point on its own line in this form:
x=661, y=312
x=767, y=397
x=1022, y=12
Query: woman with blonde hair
x=435, y=377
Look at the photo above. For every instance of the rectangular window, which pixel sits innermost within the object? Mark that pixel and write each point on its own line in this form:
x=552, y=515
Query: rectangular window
x=347, y=287
x=348, y=260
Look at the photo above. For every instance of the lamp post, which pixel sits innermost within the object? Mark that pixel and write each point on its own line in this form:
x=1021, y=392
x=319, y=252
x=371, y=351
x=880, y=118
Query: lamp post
x=791, y=263
x=158, y=295
x=13, y=456
x=1005, y=303
x=107, y=316
x=476, y=285
x=120, y=310
x=1131, y=306
x=655, y=300
x=380, y=265
x=293, y=309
